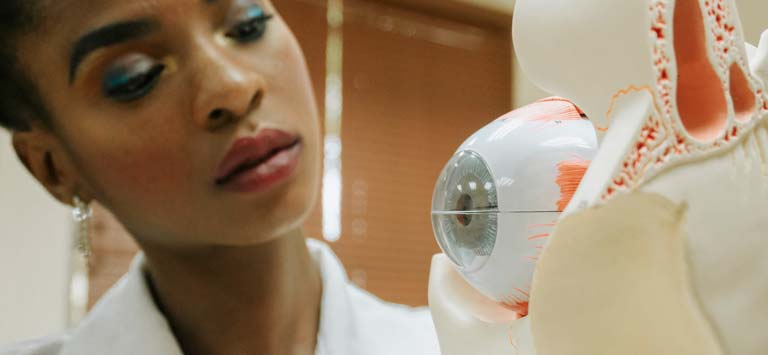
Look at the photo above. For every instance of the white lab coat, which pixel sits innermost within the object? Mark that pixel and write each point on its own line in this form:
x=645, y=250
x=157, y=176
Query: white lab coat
x=352, y=322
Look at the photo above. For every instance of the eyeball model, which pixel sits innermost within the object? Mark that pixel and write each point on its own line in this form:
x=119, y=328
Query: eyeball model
x=500, y=195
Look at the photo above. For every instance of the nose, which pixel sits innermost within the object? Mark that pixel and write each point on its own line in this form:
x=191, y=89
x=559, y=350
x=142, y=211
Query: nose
x=227, y=90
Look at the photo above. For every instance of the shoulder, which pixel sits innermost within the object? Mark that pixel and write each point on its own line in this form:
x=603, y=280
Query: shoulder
x=393, y=328
x=44, y=346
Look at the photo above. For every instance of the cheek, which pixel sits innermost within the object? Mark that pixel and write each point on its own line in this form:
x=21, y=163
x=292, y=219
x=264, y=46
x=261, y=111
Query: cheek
x=289, y=71
x=138, y=173
x=293, y=87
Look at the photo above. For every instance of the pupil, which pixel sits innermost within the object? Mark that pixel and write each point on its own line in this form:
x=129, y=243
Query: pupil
x=464, y=204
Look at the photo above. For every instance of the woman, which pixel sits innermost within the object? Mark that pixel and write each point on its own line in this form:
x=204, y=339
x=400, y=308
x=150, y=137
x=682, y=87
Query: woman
x=193, y=121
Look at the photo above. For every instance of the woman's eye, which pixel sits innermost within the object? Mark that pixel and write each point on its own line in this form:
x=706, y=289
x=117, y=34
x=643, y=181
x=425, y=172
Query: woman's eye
x=251, y=27
x=131, y=83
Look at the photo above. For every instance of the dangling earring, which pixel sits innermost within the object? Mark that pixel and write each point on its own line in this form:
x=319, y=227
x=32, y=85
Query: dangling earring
x=82, y=214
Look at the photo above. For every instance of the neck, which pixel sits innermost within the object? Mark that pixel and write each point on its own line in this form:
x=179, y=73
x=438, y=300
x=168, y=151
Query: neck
x=239, y=300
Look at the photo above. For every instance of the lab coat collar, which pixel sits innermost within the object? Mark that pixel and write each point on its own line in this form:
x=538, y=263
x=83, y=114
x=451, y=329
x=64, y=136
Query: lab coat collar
x=338, y=331
x=127, y=322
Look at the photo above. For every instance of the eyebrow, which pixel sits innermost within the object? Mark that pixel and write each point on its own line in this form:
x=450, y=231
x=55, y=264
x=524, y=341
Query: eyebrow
x=107, y=36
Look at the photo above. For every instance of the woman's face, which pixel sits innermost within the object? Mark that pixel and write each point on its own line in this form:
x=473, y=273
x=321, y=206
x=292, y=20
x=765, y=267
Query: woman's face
x=193, y=121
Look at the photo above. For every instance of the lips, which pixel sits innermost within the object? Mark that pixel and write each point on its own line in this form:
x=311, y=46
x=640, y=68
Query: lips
x=263, y=159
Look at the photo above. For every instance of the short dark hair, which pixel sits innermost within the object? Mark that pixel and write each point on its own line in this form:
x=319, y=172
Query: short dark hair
x=20, y=102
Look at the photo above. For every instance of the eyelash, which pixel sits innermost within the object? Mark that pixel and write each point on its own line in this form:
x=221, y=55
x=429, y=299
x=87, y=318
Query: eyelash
x=135, y=87
x=251, y=29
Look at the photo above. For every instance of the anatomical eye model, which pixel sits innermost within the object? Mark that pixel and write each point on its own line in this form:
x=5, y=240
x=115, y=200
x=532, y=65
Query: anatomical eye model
x=663, y=248
x=500, y=195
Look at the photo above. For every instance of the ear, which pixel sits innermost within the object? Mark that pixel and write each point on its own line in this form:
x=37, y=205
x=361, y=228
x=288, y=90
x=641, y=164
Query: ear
x=45, y=158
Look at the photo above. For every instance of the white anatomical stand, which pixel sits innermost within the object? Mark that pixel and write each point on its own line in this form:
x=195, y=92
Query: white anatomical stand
x=683, y=115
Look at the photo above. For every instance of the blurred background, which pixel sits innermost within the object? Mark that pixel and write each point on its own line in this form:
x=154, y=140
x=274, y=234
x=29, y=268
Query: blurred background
x=401, y=82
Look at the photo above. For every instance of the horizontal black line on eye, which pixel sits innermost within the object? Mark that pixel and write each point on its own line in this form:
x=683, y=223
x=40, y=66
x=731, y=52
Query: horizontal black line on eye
x=487, y=211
